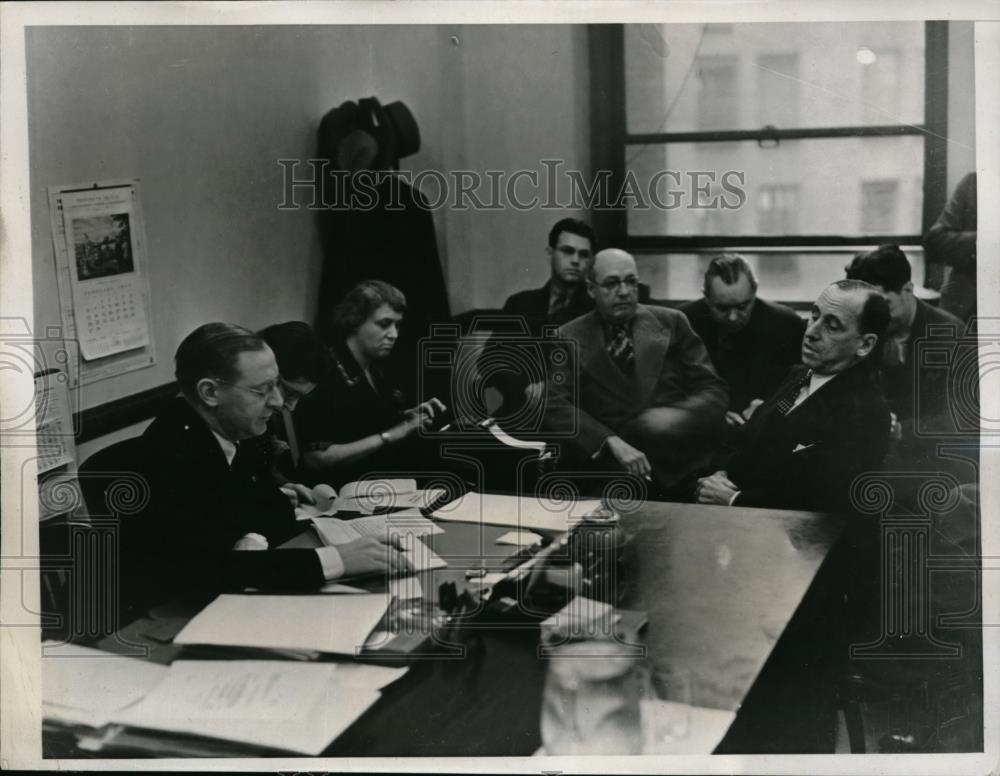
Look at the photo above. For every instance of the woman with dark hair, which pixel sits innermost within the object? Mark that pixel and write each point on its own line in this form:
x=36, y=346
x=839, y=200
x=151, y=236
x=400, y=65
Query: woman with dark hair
x=356, y=422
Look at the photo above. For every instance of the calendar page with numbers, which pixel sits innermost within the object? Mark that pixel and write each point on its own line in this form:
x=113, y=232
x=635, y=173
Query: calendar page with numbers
x=106, y=266
x=53, y=421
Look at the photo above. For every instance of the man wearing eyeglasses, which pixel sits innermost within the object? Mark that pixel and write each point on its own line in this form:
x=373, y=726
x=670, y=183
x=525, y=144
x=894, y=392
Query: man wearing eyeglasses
x=215, y=516
x=753, y=343
x=640, y=394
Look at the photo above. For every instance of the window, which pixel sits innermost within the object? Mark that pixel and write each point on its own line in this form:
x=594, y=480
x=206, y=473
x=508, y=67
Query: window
x=824, y=131
x=879, y=203
x=778, y=90
x=777, y=209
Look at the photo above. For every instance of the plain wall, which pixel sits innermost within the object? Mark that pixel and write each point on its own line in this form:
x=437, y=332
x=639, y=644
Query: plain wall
x=201, y=116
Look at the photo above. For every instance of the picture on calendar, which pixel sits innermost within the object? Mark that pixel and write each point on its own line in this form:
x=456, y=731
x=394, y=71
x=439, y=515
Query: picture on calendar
x=102, y=246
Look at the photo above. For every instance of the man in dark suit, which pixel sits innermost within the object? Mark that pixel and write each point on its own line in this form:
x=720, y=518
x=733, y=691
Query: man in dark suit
x=910, y=322
x=825, y=424
x=562, y=298
x=752, y=342
x=640, y=394
x=215, y=517
x=952, y=242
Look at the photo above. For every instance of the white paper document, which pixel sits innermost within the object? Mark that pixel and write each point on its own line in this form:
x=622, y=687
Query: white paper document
x=333, y=531
x=300, y=707
x=83, y=686
x=367, y=497
x=337, y=624
x=517, y=511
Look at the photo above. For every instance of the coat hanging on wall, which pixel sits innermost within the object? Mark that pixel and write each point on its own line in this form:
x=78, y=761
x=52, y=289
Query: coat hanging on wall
x=379, y=227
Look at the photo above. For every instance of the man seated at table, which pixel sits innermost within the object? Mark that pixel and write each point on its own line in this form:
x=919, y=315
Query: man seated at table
x=215, y=518
x=825, y=424
x=640, y=394
x=910, y=322
x=752, y=342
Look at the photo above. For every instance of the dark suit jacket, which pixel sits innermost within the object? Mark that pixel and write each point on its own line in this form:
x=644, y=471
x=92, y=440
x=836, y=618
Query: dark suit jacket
x=808, y=458
x=590, y=399
x=900, y=384
x=199, y=508
x=952, y=239
x=758, y=357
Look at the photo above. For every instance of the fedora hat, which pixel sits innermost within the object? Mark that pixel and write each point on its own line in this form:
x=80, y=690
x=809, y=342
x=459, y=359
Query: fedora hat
x=368, y=136
x=394, y=128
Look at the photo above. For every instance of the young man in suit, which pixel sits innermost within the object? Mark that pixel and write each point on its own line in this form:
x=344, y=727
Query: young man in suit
x=640, y=394
x=752, y=342
x=910, y=321
x=215, y=517
x=825, y=424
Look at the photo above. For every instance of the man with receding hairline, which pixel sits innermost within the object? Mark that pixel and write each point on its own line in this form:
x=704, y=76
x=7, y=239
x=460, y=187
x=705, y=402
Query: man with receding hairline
x=640, y=395
x=752, y=342
x=215, y=517
x=825, y=424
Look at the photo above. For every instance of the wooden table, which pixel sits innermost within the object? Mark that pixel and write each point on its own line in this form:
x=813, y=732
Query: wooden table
x=720, y=586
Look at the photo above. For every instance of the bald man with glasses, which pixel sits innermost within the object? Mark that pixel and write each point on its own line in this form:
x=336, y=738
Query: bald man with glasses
x=640, y=394
x=214, y=517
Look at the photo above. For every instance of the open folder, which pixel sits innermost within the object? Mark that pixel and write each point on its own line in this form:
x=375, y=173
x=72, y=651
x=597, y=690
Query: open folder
x=368, y=497
x=298, y=707
x=407, y=527
x=337, y=624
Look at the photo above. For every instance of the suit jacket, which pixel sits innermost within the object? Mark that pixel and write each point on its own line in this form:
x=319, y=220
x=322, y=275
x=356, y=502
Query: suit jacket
x=590, y=399
x=808, y=458
x=199, y=507
x=952, y=239
x=899, y=382
x=756, y=359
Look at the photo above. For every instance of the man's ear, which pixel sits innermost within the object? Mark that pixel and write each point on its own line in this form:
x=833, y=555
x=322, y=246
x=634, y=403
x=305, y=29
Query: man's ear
x=868, y=343
x=590, y=289
x=907, y=286
x=208, y=391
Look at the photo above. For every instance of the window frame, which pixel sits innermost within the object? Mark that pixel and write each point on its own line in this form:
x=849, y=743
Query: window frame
x=611, y=142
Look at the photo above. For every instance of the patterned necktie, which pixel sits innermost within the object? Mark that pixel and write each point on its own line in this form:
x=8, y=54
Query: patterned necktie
x=621, y=351
x=786, y=402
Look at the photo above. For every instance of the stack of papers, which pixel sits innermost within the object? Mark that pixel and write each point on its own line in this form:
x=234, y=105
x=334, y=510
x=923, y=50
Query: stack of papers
x=298, y=707
x=329, y=624
x=85, y=687
x=368, y=497
x=407, y=526
x=523, y=512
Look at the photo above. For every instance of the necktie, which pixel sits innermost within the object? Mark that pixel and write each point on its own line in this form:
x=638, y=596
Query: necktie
x=558, y=302
x=786, y=402
x=621, y=351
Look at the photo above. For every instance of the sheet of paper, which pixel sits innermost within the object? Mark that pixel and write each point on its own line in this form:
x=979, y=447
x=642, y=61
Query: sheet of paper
x=519, y=538
x=300, y=707
x=333, y=531
x=697, y=730
x=421, y=557
x=337, y=624
x=85, y=686
x=375, y=500
x=53, y=422
x=517, y=511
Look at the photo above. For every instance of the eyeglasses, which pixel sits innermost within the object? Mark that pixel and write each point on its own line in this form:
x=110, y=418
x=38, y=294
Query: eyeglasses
x=611, y=285
x=569, y=250
x=263, y=392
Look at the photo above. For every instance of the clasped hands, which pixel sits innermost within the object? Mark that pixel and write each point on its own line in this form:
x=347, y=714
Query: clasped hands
x=716, y=488
x=737, y=419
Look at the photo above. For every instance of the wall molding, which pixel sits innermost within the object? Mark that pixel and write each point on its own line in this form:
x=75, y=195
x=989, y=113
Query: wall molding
x=118, y=414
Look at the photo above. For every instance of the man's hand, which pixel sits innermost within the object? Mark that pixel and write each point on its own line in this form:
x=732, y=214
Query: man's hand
x=632, y=460
x=298, y=493
x=751, y=408
x=734, y=419
x=533, y=392
x=715, y=489
x=374, y=555
x=895, y=427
